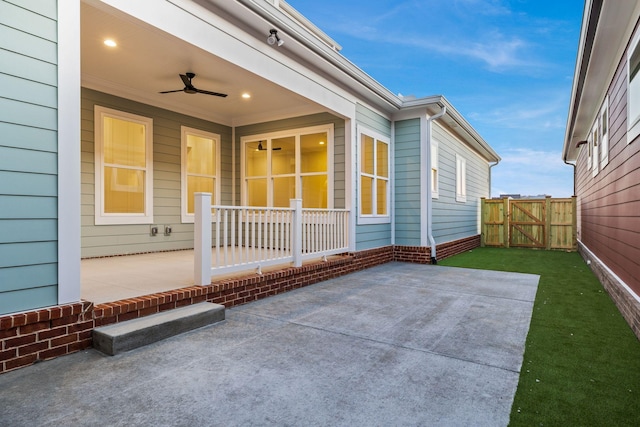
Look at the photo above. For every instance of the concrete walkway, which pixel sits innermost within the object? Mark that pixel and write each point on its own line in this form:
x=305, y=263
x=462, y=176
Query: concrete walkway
x=398, y=344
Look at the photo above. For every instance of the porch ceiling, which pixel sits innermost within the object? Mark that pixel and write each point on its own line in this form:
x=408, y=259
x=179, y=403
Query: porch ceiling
x=148, y=60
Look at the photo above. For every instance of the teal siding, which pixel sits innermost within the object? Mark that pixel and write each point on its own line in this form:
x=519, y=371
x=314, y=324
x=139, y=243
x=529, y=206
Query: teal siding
x=297, y=123
x=407, y=182
x=28, y=155
x=455, y=220
x=125, y=239
x=369, y=236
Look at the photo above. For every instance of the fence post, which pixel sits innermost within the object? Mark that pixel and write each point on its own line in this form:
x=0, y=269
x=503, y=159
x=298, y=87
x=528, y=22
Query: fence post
x=483, y=219
x=506, y=218
x=547, y=222
x=202, y=239
x=574, y=222
x=296, y=232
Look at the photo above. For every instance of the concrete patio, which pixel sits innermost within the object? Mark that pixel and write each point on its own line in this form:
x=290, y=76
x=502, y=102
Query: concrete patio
x=397, y=344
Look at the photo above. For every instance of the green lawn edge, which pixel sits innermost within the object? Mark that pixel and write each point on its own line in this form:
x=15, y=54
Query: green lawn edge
x=581, y=364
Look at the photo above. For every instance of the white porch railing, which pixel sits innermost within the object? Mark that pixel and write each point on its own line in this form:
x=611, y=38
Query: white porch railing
x=235, y=238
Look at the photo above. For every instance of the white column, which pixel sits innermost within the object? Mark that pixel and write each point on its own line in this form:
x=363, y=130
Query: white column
x=202, y=239
x=296, y=232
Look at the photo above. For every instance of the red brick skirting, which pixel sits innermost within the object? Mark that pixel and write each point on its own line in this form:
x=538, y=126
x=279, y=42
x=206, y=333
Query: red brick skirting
x=37, y=335
x=628, y=306
x=422, y=255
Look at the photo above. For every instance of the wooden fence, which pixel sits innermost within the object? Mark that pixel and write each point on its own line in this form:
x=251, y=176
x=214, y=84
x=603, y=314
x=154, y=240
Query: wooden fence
x=532, y=223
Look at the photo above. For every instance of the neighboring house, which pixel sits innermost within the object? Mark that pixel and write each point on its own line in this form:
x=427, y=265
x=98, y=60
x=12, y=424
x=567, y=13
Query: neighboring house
x=92, y=156
x=603, y=141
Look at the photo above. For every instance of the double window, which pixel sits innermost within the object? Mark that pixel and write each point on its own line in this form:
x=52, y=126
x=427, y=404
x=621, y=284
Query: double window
x=123, y=168
x=200, y=168
x=374, y=177
x=289, y=165
x=598, y=140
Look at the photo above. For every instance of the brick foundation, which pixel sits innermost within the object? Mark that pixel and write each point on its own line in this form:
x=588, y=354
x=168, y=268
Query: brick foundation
x=422, y=255
x=628, y=306
x=26, y=338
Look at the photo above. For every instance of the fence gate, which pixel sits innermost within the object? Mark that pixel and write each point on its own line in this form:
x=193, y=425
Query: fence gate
x=533, y=223
x=527, y=223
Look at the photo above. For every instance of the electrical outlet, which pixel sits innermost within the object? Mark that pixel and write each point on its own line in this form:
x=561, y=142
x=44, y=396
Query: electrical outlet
x=167, y=230
x=153, y=230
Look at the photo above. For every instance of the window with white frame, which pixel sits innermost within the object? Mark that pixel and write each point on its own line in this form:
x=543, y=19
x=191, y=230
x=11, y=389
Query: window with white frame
x=123, y=167
x=633, y=89
x=281, y=166
x=200, y=166
x=595, y=140
x=434, y=169
x=461, y=179
x=373, y=185
x=603, y=119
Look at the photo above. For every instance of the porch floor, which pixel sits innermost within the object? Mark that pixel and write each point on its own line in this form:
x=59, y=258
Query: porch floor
x=114, y=278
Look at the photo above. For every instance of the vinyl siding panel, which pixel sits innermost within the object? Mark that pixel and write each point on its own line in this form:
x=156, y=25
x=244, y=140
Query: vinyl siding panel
x=297, y=123
x=456, y=220
x=28, y=155
x=123, y=239
x=407, y=182
x=369, y=236
x=608, y=204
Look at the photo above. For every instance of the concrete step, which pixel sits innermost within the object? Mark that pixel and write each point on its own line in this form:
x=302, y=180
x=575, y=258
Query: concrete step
x=125, y=336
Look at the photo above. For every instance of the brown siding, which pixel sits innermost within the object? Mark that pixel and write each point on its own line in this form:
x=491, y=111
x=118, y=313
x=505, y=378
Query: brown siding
x=609, y=203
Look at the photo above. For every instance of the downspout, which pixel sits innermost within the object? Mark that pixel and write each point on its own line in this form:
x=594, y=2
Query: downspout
x=432, y=241
x=490, y=166
x=574, y=174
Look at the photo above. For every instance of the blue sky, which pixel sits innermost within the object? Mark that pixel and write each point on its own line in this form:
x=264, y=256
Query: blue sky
x=506, y=65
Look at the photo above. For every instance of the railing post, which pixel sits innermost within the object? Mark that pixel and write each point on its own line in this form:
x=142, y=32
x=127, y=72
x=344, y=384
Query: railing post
x=296, y=232
x=202, y=239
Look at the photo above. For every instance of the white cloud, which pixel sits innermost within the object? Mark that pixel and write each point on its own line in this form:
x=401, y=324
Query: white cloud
x=540, y=112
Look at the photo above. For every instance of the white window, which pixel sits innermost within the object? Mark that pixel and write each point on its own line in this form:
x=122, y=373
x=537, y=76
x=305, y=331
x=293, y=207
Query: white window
x=123, y=167
x=589, y=150
x=461, y=179
x=604, y=133
x=373, y=185
x=596, y=148
x=200, y=168
x=633, y=89
x=434, y=170
x=296, y=164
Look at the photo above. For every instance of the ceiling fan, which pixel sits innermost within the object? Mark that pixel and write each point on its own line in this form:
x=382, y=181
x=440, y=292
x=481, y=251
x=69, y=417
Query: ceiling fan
x=189, y=88
x=261, y=148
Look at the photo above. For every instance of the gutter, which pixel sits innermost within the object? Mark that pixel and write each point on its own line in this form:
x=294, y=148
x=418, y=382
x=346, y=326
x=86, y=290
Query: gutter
x=429, y=210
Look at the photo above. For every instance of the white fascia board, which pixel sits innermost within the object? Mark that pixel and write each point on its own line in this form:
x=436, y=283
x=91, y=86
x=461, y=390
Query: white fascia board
x=339, y=66
x=416, y=108
x=214, y=34
x=604, y=38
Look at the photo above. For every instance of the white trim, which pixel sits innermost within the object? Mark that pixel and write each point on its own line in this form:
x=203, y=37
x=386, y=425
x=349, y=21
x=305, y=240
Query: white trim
x=185, y=216
x=373, y=218
x=633, y=123
x=102, y=218
x=295, y=133
x=69, y=152
x=609, y=271
x=595, y=143
x=351, y=176
x=461, y=179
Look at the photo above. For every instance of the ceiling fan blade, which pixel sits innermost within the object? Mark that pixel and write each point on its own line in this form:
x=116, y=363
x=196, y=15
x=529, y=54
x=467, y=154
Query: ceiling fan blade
x=185, y=80
x=206, y=92
x=277, y=148
x=171, y=91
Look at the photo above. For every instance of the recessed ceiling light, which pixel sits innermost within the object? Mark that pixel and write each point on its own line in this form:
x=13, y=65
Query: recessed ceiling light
x=246, y=95
x=321, y=143
x=110, y=43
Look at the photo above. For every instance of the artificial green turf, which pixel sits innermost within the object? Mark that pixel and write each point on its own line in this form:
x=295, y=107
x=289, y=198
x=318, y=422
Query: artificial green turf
x=581, y=363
